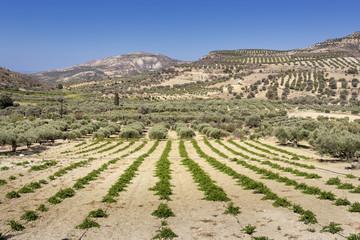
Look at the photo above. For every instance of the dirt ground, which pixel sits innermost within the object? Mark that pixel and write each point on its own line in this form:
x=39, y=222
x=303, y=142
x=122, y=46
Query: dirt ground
x=130, y=216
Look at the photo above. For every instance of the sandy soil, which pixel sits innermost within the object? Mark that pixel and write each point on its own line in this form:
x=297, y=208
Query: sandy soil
x=130, y=217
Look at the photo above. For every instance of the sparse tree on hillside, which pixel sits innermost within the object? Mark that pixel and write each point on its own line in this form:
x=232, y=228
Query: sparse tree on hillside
x=116, y=99
x=5, y=101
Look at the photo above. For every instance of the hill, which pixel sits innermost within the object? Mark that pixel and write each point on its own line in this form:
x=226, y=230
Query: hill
x=119, y=66
x=14, y=81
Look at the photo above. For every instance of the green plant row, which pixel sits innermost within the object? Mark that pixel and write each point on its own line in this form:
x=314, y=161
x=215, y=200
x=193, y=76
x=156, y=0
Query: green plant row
x=123, y=148
x=65, y=170
x=306, y=216
x=95, y=148
x=80, y=144
x=261, y=149
x=290, y=170
x=126, y=177
x=163, y=172
x=282, y=150
x=284, y=169
x=206, y=184
x=112, y=147
x=306, y=189
x=43, y=166
x=221, y=154
x=348, y=186
x=90, y=145
x=29, y=188
x=232, y=150
x=247, y=150
x=61, y=194
x=303, y=165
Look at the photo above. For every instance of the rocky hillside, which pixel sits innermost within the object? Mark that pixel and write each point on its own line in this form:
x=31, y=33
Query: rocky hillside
x=14, y=81
x=118, y=66
x=349, y=44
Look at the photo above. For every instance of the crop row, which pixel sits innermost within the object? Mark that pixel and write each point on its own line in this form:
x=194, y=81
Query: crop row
x=111, y=147
x=163, y=172
x=93, y=175
x=259, y=188
x=212, y=192
x=119, y=186
x=126, y=177
x=43, y=166
x=272, y=165
x=282, y=150
x=123, y=148
x=306, y=189
x=93, y=149
x=348, y=186
x=69, y=192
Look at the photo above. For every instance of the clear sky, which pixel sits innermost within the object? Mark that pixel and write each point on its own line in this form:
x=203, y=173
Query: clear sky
x=37, y=35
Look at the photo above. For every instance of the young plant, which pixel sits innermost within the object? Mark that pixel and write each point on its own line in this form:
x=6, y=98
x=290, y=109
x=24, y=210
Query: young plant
x=163, y=211
x=87, y=223
x=15, y=225
x=42, y=208
x=355, y=207
x=342, y=202
x=98, y=214
x=30, y=216
x=249, y=229
x=231, y=209
x=165, y=233
x=332, y=228
x=12, y=194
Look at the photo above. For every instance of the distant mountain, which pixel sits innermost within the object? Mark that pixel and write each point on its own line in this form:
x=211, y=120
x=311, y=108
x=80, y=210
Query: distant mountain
x=349, y=44
x=124, y=65
x=14, y=80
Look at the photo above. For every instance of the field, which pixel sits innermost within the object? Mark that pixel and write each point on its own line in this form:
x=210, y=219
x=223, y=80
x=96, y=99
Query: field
x=266, y=190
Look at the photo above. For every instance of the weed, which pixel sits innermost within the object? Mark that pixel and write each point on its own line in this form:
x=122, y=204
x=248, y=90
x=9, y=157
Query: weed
x=332, y=228
x=87, y=223
x=12, y=177
x=163, y=211
x=311, y=230
x=15, y=225
x=30, y=216
x=249, y=229
x=231, y=209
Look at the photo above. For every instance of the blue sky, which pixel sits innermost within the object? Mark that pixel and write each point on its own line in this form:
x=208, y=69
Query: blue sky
x=39, y=35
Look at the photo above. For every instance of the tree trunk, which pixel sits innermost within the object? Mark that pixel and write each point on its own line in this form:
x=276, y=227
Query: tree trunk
x=13, y=147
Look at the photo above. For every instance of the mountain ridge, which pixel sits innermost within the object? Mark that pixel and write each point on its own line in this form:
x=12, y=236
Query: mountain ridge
x=128, y=64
